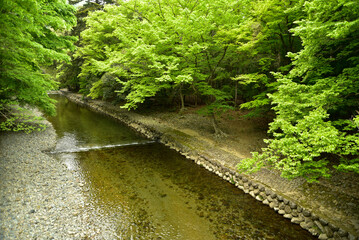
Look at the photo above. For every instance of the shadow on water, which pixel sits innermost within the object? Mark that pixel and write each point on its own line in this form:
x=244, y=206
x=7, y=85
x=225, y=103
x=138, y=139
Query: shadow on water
x=148, y=191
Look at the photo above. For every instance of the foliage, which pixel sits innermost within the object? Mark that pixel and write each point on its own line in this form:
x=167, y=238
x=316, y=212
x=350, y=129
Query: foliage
x=297, y=59
x=68, y=71
x=317, y=100
x=30, y=38
x=265, y=38
x=18, y=118
x=168, y=46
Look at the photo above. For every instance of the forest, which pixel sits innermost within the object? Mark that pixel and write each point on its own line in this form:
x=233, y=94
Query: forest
x=296, y=61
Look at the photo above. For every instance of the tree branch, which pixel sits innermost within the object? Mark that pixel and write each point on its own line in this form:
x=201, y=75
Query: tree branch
x=159, y=4
x=219, y=62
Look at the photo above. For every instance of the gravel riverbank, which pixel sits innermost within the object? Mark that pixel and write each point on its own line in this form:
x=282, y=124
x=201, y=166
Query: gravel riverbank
x=39, y=197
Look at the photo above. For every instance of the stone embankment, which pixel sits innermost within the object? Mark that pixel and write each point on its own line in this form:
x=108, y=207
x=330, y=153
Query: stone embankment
x=328, y=210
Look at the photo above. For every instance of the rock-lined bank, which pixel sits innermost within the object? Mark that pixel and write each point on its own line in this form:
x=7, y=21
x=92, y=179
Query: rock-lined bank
x=323, y=209
x=39, y=197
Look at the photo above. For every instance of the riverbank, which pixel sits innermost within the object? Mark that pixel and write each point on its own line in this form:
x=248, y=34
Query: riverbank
x=39, y=197
x=327, y=209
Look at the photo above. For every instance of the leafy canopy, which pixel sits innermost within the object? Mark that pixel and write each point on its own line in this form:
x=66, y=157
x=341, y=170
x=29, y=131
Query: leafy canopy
x=30, y=37
x=154, y=47
x=316, y=103
x=295, y=60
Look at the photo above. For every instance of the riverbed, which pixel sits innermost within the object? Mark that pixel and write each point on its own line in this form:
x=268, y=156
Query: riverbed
x=98, y=179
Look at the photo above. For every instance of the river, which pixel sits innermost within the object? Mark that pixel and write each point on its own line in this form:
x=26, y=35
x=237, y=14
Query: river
x=147, y=191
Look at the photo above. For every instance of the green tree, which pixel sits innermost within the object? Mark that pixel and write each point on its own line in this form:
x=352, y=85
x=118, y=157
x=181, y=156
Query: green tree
x=162, y=48
x=316, y=104
x=264, y=40
x=68, y=71
x=31, y=37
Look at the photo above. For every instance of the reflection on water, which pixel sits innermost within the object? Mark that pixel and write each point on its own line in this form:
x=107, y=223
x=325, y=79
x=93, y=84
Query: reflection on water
x=150, y=192
x=80, y=127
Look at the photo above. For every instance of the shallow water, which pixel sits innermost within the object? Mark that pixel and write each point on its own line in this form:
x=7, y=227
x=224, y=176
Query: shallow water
x=147, y=191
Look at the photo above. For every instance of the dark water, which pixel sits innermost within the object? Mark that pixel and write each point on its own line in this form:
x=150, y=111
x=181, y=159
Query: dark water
x=147, y=191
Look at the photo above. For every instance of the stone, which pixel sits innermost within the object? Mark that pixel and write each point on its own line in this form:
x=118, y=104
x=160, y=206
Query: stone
x=308, y=219
x=313, y=231
x=261, y=188
x=342, y=233
x=287, y=209
x=259, y=198
x=270, y=199
x=304, y=225
x=256, y=191
x=352, y=237
x=297, y=220
x=255, y=185
x=333, y=227
x=294, y=213
x=263, y=195
x=266, y=202
x=299, y=209
x=336, y=236
x=328, y=231
x=323, y=236
x=315, y=217
x=281, y=206
x=281, y=212
x=280, y=198
x=323, y=222
x=273, y=204
x=273, y=195
x=309, y=224
x=306, y=213
x=292, y=205
x=288, y=216
x=286, y=201
x=320, y=226
x=252, y=194
x=268, y=192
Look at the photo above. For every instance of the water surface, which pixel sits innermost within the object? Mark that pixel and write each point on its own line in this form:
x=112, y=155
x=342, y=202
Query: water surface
x=147, y=191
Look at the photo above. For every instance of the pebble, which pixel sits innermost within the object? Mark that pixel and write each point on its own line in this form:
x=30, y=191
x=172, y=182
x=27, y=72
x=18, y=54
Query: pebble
x=39, y=197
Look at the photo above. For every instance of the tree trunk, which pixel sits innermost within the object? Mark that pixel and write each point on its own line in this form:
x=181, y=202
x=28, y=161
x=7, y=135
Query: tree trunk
x=195, y=96
x=235, y=94
x=217, y=131
x=182, y=99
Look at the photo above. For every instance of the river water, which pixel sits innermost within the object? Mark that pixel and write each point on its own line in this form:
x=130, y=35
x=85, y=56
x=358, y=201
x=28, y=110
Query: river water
x=147, y=191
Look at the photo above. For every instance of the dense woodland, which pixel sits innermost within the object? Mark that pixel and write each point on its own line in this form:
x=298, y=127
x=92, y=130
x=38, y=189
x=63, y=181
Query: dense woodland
x=295, y=60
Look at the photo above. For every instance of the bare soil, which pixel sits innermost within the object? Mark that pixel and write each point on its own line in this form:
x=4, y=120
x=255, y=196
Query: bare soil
x=243, y=135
